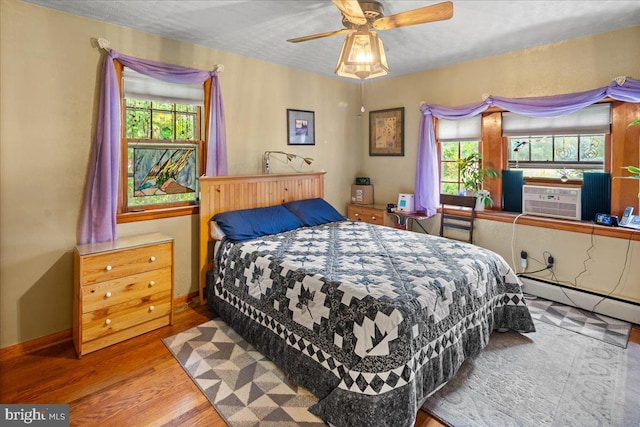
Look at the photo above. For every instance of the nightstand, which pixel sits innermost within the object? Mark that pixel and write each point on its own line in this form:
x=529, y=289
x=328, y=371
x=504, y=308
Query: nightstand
x=122, y=289
x=368, y=213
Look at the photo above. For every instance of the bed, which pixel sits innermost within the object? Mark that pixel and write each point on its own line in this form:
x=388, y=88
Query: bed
x=370, y=319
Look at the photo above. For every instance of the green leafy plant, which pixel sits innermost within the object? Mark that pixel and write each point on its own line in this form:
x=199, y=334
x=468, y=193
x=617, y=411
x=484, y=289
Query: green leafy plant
x=473, y=176
x=633, y=169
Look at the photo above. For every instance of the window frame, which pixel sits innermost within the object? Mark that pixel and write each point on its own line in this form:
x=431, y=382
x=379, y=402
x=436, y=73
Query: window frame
x=441, y=161
x=621, y=144
x=534, y=164
x=159, y=210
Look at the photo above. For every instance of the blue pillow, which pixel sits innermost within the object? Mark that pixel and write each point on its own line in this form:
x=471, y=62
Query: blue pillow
x=248, y=224
x=314, y=211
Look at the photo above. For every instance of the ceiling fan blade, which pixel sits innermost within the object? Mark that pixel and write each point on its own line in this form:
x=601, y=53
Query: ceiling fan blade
x=436, y=12
x=352, y=11
x=319, y=36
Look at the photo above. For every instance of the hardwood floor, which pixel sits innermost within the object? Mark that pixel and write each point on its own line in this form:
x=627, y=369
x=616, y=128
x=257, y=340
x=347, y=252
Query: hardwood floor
x=134, y=383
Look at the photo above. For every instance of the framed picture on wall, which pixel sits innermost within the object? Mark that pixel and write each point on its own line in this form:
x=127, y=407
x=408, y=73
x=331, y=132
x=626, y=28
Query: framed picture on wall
x=386, y=132
x=300, y=127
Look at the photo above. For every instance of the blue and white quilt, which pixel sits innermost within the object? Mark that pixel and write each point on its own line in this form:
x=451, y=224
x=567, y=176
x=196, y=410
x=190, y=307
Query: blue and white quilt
x=370, y=319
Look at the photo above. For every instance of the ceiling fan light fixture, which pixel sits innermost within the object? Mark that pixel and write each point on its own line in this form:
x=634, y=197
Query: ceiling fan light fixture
x=362, y=56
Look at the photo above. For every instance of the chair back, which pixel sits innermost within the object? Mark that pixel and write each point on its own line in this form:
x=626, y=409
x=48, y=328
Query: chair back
x=457, y=212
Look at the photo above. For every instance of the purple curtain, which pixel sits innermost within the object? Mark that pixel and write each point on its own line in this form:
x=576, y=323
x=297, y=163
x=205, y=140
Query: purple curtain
x=217, y=153
x=427, y=184
x=98, y=215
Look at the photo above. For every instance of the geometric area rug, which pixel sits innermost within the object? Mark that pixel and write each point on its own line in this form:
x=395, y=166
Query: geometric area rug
x=594, y=325
x=551, y=377
x=246, y=388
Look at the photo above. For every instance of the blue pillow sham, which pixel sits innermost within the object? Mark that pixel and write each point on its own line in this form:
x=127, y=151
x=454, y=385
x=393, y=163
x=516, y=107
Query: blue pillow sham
x=314, y=211
x=246, y=224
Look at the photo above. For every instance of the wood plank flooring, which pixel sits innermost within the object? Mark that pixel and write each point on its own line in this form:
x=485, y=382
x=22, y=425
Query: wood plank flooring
x=134, y=383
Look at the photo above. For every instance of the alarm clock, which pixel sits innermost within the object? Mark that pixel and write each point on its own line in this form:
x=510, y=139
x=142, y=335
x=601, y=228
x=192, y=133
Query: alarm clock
x=361, y=180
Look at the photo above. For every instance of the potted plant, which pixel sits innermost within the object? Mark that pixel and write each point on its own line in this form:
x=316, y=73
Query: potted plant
x=473, y=175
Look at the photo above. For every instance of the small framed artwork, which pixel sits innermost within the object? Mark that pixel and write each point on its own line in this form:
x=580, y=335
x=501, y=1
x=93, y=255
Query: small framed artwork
x=300, y=127
x=386, y=132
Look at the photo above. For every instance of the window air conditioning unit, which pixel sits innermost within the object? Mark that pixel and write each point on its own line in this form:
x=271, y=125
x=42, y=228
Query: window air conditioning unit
x=556, y=202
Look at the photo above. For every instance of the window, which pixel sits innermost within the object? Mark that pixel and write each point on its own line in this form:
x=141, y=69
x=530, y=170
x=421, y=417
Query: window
x=601, y=140
x=450, y=152
x=562, y=147
x=162, y=143
x=163, y=146
x=557, y=156
x=458, y=139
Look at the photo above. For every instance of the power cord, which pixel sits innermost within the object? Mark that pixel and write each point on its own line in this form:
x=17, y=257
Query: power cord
x=624, y=267
x=550, y=263
x=513, y=241
x=584, y=263
x=533, y=272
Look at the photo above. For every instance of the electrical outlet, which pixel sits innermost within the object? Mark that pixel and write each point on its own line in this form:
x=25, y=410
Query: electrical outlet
x=523, y=260
x=550, y=261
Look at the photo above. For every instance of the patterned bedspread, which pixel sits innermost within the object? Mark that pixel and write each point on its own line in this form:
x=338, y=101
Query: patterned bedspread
x=368, y=318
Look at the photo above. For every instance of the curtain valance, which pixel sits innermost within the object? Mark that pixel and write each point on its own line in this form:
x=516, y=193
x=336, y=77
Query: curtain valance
x=99, y=210
x=427, y=182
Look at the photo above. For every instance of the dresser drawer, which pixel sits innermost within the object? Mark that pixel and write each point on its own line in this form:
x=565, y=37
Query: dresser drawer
x=112, y=265
x=116, y=318
x=366, y=214
x=117, y=291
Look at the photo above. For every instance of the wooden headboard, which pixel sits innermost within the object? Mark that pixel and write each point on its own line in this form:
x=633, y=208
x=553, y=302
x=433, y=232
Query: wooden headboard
x=228, y=193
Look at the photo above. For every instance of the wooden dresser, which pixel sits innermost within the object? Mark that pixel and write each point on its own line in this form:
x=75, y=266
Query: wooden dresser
x=122, y=289
x=368, y=213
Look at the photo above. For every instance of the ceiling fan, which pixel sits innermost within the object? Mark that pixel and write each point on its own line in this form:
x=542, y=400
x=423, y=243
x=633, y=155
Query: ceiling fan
x=363, y=55
x=370, y=14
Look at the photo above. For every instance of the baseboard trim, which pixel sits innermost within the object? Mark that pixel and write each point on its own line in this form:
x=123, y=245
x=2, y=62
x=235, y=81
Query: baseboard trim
x=34, y=345
x=37, y=344
x=616, y=308
x=184, y=299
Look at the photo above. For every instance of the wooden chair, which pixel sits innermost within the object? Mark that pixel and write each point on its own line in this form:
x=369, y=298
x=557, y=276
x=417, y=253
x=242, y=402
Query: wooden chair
x=457, y=212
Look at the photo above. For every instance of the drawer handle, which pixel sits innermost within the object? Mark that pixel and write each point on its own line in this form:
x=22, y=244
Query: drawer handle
x=357, y=215
x=151, y=308
x=107, y=295
x=107, y=322
x=152, y=284
x=152, y=259
x=373, y=217
x=108, y=268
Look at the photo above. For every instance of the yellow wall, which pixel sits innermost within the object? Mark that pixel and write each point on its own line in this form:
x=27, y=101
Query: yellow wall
x=49, y=85
x=49, y=71
x=570, y=66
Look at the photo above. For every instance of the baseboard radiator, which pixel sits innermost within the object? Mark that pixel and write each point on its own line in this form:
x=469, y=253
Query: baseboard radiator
x=612, y=307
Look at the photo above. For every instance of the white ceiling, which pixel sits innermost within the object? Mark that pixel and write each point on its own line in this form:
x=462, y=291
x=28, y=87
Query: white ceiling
x=259, y=28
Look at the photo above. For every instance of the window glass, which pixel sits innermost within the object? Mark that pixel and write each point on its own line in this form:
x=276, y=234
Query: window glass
x=450, y=151
x=160, y=174
x=592, y=148
x=557, y=156
x=162, y=154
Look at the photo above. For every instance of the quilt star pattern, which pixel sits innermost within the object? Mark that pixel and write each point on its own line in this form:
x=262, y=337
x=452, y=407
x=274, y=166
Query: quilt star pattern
x=370, y=319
